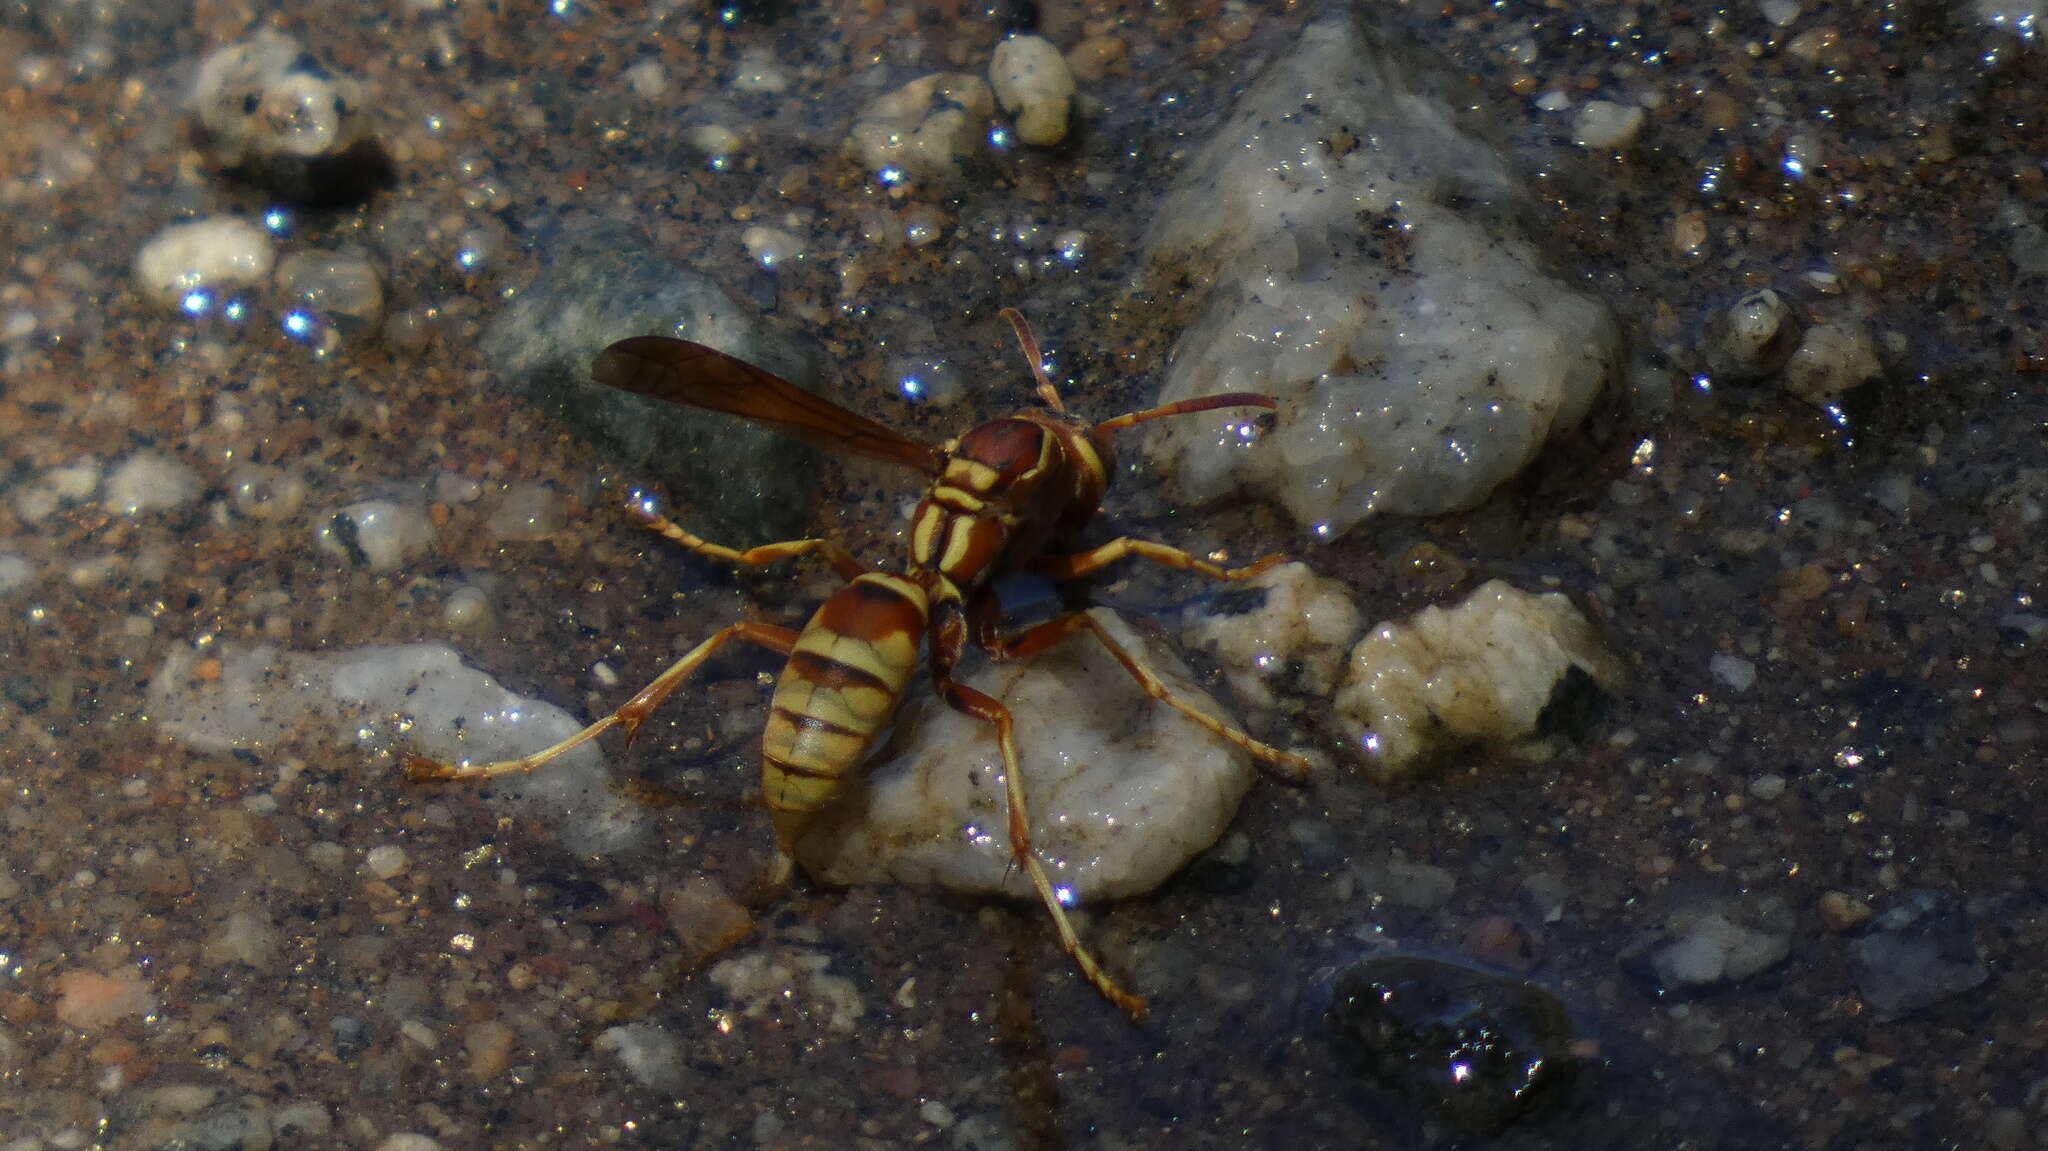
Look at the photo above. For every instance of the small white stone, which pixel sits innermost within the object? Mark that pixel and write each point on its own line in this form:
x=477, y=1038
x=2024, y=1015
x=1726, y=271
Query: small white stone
x=74, y=483
x=222, y=252
x=147, y=482
x=648, y=79
x=771, y=247
x=466, y=607
x=456, y=488
x=408, y=1141
x=770, y=983
x=714, y=140
x=528, y=512
x=1603, y=125
x=1032, y=82
x=1767, y=787
x=759, y=72
x=386, y=862
x=381, y=534
x=1304, y=623
x=264, y=97
x=928, y=125
x=1483, y=670
x=1737, y=673
x=15, y=572
x=1831, y=359
x=650, y=1054
x=936, y=1113
x=263, y=492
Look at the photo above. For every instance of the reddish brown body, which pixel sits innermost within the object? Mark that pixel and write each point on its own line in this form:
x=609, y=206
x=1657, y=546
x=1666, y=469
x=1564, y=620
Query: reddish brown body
x=999, y=496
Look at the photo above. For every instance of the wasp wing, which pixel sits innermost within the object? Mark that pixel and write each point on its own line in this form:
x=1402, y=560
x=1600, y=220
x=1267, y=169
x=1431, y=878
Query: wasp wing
x=684, y=372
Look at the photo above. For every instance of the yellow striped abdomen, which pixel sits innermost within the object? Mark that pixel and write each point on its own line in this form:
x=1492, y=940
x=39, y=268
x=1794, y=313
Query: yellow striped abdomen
x=840, y=688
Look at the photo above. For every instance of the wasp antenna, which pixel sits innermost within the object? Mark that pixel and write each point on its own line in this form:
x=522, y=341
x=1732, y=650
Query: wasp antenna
x=1029, y=342
x=1187, y=407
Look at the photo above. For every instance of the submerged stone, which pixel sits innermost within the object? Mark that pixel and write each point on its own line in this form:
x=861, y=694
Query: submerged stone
x=1366, y=272
x=1477, y=1049
x=1122, y=790
x=733, y=481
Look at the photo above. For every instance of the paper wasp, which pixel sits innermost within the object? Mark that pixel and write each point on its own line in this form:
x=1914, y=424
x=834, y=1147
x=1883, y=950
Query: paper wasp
x=999, y=495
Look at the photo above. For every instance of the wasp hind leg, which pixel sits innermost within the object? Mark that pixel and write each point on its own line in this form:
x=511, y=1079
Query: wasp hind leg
x=987, y=709
x=1285, y=765
x=630, y=715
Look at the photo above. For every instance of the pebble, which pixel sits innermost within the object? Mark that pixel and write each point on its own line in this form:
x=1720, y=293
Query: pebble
x=1397, y=347
x=388, y=861
x=1123, y=791
x=466, y=607
x=490, y=1044
x=74, y=483
x=409, y=1141
x=527, y=513
x=263, y=492
x=270, y=111
x=15, y=572
x=376, y=534
x=770, y=984
x=1840, y=911
x=650, y=1054
x=1032, y=82
x=1831, y=359
x=213, y=255
x=148, y=482
x=927, y=126
x=1475, y=1049
x=91, y=1001
x=771, y=247
x=759, y=72
x=714, y=140
x=1737, y=673
x=419, y=697
x=1603, y=125
x=1286, y=628
x=244, y=938
x=1483, y=670
x=704, y=919
x=1753, y=337
x=1920, y=950
x=343, y=287
x=1711, y=942
x=603, y=282
x=1406, y=883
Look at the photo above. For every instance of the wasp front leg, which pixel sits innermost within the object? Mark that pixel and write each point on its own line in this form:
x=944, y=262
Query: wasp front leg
x=1096, y=558
x=629, y=715
x=841, y=560
x=1286, y=765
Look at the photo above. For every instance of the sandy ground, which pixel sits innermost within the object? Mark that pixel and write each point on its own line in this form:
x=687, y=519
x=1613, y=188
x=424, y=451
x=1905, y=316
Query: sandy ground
x=1868, y=566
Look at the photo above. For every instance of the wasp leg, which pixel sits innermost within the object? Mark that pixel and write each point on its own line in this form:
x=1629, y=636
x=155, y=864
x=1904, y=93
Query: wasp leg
x=630, y=715
x=1285, y=765
x=1095, y=559
x=989, y=710
x=841, y=560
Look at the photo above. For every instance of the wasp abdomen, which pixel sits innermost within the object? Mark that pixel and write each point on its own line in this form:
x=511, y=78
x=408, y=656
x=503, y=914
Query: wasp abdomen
x=840, y=688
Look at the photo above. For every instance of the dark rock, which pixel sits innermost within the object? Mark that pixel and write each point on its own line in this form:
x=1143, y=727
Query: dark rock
x=1920, y=950
x=1479, y=1049
x=733, y=481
